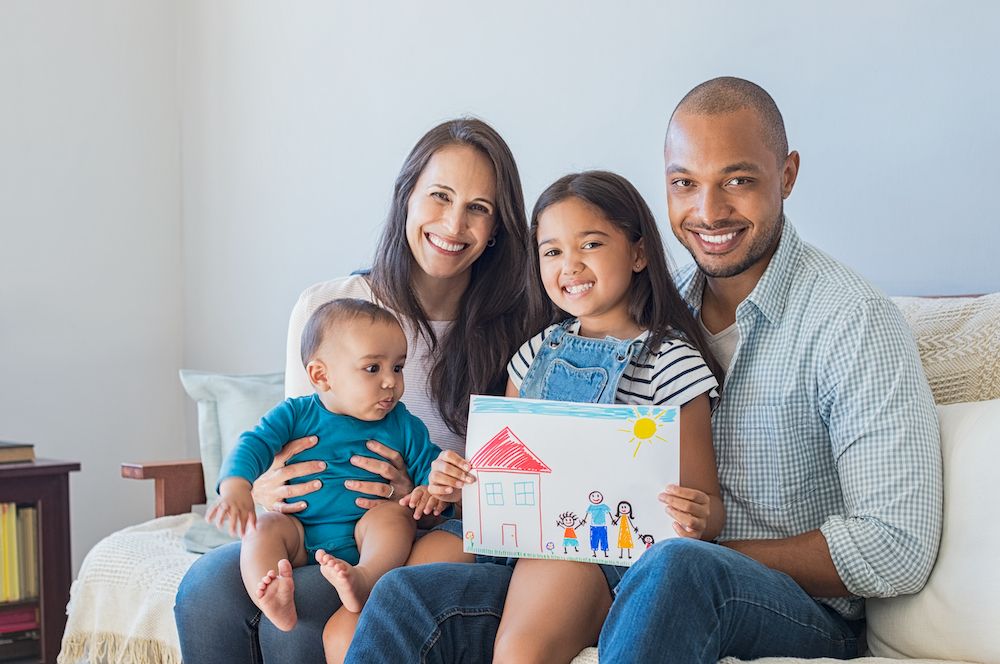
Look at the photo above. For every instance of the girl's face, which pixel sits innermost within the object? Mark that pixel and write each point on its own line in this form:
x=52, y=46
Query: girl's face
x=587, y=265
x=451, y=212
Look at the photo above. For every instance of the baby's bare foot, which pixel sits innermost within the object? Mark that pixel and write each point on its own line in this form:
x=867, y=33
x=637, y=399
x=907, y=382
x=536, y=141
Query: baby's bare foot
x=276, y=597
x=351, y=582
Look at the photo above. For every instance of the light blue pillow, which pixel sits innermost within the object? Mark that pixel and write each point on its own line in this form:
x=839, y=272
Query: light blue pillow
x=227, y=407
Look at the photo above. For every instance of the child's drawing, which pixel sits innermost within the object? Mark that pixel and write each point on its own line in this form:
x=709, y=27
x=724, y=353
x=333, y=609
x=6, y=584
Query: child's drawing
x=535, y=460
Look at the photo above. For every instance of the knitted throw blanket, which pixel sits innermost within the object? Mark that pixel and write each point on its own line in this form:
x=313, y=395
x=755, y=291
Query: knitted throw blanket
x=959, y=343
x=121, y=608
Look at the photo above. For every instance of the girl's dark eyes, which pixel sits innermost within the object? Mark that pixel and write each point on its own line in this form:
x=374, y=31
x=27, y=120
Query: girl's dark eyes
x=551, y=252
x=591, y=245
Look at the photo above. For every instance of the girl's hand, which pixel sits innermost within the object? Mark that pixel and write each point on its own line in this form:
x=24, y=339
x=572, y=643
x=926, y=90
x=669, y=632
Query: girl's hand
x=689, y=508
x=422, y=502
x=272, y=488
x=449, y=473
x=235, y=504
x=391, y=467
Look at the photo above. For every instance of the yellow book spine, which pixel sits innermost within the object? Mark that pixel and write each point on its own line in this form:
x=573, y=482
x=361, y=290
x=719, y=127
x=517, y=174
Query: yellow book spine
x=5, y=597
x=10, y=552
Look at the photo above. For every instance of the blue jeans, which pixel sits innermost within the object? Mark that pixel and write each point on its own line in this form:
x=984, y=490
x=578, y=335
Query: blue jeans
x=713, y=603
x=695, y=602
x=219, y=624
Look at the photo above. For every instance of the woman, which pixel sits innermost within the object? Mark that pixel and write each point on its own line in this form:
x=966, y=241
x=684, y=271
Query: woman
x=451, y=265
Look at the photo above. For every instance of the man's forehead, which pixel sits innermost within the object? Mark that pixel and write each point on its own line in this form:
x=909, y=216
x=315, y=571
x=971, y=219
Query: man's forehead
x=721, y=143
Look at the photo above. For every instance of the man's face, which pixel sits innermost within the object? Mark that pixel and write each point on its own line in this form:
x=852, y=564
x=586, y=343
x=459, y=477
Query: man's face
x=725, y=188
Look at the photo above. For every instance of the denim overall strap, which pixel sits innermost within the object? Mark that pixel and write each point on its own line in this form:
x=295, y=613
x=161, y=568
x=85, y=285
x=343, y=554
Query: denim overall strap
x=572, y=368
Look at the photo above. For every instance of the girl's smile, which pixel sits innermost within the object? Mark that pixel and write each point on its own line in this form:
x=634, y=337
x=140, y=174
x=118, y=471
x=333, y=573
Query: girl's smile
x=586, y=265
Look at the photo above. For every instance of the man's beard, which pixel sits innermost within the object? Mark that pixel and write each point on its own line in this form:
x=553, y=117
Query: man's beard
x=757, y=250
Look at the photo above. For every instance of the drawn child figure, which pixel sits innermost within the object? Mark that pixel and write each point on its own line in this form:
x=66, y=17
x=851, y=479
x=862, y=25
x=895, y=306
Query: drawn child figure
x=615, y=331
x=624, y=523
x=598, y=513
x=647, y=540
x=569, y=521
x=354, y=353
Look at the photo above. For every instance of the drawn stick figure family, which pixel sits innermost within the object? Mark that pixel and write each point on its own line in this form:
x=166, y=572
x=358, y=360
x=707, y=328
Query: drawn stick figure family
x=599, y=514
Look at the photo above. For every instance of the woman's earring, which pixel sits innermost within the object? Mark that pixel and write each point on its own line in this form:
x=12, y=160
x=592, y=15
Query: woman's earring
x=492, y=241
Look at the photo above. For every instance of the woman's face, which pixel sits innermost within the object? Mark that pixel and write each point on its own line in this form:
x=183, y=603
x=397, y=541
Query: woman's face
x=451, y=213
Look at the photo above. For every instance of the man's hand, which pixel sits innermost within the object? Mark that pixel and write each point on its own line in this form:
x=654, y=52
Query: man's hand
x=391, y=467
x=272, y=488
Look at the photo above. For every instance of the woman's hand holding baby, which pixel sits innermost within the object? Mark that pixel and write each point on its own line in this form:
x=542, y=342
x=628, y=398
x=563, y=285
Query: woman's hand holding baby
x=272, y=488
x=689, y=508
x=236, y=504
x=449, y=473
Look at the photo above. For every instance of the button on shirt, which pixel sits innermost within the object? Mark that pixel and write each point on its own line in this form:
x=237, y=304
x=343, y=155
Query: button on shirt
x=826, y=422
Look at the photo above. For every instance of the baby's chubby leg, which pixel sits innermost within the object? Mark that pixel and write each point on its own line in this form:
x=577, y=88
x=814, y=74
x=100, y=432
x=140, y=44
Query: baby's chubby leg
x=554, y=609
x=384, y=536
x=267, y=557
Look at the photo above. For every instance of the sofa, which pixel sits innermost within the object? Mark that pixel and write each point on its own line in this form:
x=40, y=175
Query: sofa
x=120, y=611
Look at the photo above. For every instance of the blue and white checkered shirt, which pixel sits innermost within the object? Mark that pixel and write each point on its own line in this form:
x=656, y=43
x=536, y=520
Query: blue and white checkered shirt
x=826, y=421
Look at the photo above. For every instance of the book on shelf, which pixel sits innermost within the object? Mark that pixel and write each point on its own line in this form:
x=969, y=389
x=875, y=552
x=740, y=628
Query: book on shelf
x=19, y=620
x=14, y=452
x=27, y=550
x=8, y=543
x=23, y=643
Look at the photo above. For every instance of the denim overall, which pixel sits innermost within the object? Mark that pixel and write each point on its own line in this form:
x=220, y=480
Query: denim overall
x=573, y=368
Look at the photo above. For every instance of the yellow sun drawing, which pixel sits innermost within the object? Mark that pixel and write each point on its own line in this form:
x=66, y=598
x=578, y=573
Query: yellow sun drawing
x=644, y=428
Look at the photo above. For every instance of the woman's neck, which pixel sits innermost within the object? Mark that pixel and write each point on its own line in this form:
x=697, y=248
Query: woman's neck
x=440, y=298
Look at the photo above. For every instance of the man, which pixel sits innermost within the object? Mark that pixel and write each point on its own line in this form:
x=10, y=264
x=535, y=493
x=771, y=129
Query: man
x=826, y=433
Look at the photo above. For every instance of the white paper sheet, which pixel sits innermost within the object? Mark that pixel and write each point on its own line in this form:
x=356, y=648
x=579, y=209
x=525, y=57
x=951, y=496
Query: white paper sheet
x=568, y=481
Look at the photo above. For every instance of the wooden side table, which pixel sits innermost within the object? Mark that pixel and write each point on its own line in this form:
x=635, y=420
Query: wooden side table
x=45, y=483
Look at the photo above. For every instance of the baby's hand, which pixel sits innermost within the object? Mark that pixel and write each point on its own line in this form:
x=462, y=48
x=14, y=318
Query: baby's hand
x=236, y=504
x=449, y=473
x=422, y=502
x=689, y=508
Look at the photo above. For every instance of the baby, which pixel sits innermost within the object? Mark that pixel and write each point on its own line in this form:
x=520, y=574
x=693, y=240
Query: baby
x=354, y=353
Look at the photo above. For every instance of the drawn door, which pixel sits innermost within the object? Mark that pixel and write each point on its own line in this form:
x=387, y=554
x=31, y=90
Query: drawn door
x=509, y=535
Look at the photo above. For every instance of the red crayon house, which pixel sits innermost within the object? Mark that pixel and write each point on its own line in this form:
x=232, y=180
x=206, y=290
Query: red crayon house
x=510, y=506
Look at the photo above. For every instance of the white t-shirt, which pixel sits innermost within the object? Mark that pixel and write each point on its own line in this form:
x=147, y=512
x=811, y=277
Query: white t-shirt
x=673, y=378
x=419, y=361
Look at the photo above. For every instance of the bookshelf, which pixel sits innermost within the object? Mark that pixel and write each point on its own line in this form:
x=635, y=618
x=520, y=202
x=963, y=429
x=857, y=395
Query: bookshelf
x=44, y=483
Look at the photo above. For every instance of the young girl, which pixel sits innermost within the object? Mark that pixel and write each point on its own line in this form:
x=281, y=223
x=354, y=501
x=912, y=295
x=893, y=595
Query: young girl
x=624, y=335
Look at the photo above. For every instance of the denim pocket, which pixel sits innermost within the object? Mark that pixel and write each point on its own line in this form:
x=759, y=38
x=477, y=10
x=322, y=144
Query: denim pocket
x=564, y=382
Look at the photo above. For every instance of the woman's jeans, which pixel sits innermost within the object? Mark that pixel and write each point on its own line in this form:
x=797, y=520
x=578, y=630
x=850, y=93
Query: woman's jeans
x=219, y=624
x=683, y=601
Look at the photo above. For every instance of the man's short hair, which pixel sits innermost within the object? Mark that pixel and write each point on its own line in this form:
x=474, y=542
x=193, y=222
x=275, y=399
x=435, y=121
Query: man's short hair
x=334, y=314
x=728, y=94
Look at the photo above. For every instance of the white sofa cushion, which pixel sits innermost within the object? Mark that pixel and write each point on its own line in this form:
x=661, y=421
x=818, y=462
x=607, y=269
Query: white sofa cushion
x=957, y=614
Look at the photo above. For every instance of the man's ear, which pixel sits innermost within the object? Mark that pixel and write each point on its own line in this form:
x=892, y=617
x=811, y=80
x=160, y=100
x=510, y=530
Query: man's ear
x=789, y=172
x=318, y=375
x=639, y=256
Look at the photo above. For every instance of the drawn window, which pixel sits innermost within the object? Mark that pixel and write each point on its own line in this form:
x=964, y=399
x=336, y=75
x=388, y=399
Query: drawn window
x=494, y=493
x=524, y=493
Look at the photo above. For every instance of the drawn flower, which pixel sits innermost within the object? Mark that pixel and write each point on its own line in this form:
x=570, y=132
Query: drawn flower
x=550, y=546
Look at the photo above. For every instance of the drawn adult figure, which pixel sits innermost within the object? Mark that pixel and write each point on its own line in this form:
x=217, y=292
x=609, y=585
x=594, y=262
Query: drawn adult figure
x=450, y=265
x=598, y=513
x=625, y=527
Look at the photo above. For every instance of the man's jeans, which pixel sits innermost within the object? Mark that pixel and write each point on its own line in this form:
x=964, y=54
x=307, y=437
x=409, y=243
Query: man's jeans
x=683, y=601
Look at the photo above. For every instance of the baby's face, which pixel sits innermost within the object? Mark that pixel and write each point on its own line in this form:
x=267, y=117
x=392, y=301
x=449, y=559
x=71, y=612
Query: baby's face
x=365, y=369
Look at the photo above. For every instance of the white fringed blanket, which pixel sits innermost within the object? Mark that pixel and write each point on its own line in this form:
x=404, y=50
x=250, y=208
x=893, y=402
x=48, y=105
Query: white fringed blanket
x=121, y=606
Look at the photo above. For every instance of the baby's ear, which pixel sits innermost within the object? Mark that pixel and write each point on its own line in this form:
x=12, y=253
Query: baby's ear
x=318, y=375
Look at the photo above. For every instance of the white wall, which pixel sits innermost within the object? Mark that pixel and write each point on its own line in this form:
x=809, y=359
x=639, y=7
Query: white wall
x=222, y=155
x=90, y=246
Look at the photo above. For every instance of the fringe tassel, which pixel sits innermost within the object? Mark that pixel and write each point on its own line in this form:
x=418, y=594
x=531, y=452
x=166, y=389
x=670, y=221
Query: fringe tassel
x=108, y=648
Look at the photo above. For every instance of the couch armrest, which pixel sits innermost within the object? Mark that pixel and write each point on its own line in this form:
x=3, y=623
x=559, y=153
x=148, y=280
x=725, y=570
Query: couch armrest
x=179, y=484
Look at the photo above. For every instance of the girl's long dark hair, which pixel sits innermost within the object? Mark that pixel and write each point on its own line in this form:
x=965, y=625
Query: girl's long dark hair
x=472, y=356
x=654, y=302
